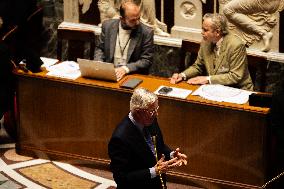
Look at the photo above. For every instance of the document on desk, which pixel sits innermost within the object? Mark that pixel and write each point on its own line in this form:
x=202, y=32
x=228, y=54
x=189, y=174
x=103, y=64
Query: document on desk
x=174, y=92
x=221, y=93
x=48, y=62
x=66, y=69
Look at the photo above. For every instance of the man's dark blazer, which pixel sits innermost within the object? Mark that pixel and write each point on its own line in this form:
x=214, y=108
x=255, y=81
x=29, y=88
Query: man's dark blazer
x=131, y=157
x=140, y=50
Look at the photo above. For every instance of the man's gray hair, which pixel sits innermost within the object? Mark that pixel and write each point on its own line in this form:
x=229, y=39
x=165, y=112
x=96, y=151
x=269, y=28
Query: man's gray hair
x=142, y=99
x=219, y=22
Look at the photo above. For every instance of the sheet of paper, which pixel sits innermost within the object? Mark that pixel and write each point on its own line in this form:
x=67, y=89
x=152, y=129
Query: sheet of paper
x=221, y=93
x=66, y=69
x=176, y=92
x=48, y=62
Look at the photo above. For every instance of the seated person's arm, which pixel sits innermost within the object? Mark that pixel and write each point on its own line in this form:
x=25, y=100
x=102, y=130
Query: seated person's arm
x=146, y=53
x=199, y=80
x=196, y=69
x=99, y=51
x=238, y=68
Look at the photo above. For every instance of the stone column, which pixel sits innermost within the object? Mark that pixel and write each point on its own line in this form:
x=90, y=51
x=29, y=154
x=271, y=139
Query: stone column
x=71, y=11
x=188, y=20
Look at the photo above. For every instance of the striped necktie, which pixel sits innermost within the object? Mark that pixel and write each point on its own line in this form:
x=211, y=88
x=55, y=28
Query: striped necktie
x=148, y=139
x=216, y=54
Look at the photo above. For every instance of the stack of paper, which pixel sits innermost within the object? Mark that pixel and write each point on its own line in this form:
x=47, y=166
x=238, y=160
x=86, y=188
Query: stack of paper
x=222, y=93
x=175, y=92
x=48, y=62
x=66, y=69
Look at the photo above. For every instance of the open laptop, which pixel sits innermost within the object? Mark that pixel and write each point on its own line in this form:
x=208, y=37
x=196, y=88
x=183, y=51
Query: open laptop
x=97, y=69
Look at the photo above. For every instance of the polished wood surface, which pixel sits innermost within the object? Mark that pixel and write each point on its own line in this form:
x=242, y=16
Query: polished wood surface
x=226, y=143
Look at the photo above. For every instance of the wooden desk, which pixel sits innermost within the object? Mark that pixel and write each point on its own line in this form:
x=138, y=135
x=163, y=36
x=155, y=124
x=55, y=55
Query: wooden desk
x=64, y=119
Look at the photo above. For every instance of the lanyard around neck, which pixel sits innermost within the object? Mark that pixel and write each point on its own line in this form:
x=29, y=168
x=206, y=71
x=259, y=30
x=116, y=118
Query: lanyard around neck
x=120, y=48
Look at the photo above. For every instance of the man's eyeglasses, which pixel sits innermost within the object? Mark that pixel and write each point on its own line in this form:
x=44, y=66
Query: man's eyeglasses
x=154, y=111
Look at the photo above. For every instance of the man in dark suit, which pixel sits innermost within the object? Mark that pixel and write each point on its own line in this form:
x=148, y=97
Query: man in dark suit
x=136, y=160
x=126, y=42
x=221, y=58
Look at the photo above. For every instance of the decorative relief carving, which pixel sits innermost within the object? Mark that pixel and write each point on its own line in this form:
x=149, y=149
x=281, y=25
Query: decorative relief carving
x=188, y=10
x=86, y=5
x=253, y=20
x=188, y=19
x=108, y=9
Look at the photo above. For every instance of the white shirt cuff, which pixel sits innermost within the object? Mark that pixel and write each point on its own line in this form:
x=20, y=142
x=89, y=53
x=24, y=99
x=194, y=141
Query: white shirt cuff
x=126, y=69
x=152, y=169
x=152, y=172
x=183, y=76
x=172, y=154
x=209, y=80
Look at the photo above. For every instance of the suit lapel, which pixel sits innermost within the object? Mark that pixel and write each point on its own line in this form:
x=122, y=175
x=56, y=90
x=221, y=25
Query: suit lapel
x=140, y=144
x=113, y=36
x=219, y=60
x=222, y=54
x=135, y=35
x=211, y=59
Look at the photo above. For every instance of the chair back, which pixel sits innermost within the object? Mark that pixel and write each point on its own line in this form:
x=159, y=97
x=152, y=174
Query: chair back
x=188, y=53
x=76, y=40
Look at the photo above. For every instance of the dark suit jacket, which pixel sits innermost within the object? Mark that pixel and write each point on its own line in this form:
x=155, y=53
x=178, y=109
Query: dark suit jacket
x=140, y=50
x=131, y=157
x=231, y=67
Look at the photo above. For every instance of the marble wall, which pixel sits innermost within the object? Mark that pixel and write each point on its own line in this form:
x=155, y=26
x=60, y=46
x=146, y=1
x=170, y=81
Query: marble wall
x=53, y=16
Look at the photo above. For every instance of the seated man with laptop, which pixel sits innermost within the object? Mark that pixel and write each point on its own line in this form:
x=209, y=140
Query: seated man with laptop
x=126, y=42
